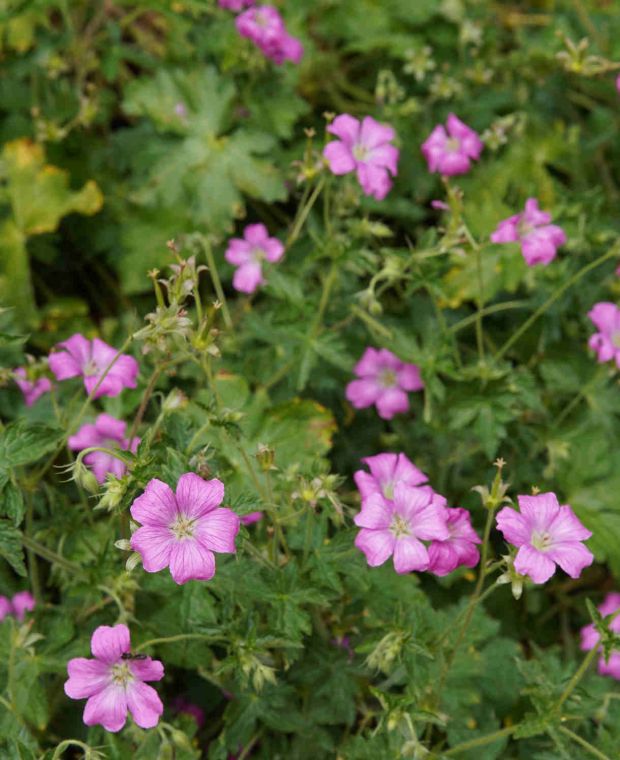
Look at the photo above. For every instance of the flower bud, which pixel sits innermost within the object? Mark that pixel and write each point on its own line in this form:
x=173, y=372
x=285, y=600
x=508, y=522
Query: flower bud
x=85, y=478
x=265, y=457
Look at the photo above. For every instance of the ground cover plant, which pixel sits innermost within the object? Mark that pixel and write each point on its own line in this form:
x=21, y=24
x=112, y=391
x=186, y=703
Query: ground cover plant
x=309, y=398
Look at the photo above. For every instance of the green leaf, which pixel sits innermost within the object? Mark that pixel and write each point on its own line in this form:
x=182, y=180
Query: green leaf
x=12, y=504
x=22, y=442
x=11, y=547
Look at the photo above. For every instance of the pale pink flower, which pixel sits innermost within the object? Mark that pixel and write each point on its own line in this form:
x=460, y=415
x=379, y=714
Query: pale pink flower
x=6, y=608
x=449, y=150
x=22, y=602
x=384, y=380
x=546, y=534
x=89, y=359
x=386, y=470
x=183, y=530
x=114, y=683
x=459, y=549
x=32, y=389
x=251, y=518
x=590, y=636
x=109, y=433
x=532, y=229
x=606, y=342
x=397, y=527
x=235, y=5
x=248, y=253
x=265, y=27
x=365, y=148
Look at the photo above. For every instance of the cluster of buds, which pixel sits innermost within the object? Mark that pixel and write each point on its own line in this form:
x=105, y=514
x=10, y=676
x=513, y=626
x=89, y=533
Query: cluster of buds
x=419, y=62
x=499, y=132
x=387, y=651
x=576, y=60
x=312, y=163
x=322, y=487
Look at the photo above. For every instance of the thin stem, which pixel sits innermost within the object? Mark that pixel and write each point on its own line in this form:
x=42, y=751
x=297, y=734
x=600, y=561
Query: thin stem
x=505, y=306
x=480, y=741
x=302, y=213
x=50, y=555
x=583, y=743
x=33, y=568
x=148, y=392
x=251, y=549
x=217, y=283
x=611, y=253
x=178, y=637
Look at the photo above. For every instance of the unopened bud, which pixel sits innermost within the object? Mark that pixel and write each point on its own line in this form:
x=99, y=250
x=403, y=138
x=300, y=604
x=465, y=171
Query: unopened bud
x=265, y=457
x=132, y=562
x=176, y=399
x=83, y=476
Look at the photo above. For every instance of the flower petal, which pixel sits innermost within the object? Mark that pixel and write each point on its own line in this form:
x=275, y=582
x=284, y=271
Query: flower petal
x=339, y=157
x=391, y=401
x=217, y=530
x=154, y=544
x=144, y=704
x=346, y=127
x=156, y=506
x=377, y=545
x=538, y=566
x=190, y=560
x=410, y=554
x=375, y=514
x=107, y=708
x=108, y=643
x=571, y=556
x=514, y=526
x=86, y=677
x=362, y=393
x=147, y=670
x=196, y=496
x=248, y=277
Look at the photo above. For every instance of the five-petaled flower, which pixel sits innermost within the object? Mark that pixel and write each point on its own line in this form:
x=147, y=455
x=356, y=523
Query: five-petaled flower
x=386, y=470
x=590, y=636
x=546, y=534
x=265, y=27
x=365, y=148
x=606, y=342
x=182, y=530
x=539, y=238
x=32, y=389
x=449, y=150
x=383, y=380
x=90, y=359
x=248, y=253
x=398, y=525
x=114, y=684
x=109, y=433
x=457, y=550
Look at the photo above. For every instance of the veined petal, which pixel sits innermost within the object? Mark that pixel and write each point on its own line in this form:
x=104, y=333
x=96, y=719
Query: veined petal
x=196, y=496
x=190, y=560
x=375, y=514
x=156, y=506
x=377, y=545
x=571, y=556
x=514, y=526
x=144, y=704
x=538, y=566
x=154, y=544
x=409, y=555
x=108, y=643
x=147, y=670
x=218, y=529
x=107, y=708
x=86, y=677
x=339, y=157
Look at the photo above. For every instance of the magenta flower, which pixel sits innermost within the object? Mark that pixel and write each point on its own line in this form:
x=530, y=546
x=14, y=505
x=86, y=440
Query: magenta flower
x=618, y=84
x=459, y=549
x=590, y=636
x=450, y=151
x=6, y=608
x=235, y=5
x=22, y=602
x=365, y=148
x=606, y=342
x=251, y=518
x=113, y=683
x=89, y=359
x=108, y=433
x=546, y=534
x=248, y=253
x=32, y=390
x=384, y=381
x=183, y=530
x=386, y=470
x=264, y=26
x=398, y=526
x=539, y=239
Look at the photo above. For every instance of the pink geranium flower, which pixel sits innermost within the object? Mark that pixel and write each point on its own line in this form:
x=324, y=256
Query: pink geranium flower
x=183, y=530
x=251, y=518
x=113, y=683
x=22, y=602
x=449, y=150
x=248, y=253
x=384, y=380
x=397, y=527
x=539, y=239
x=235, y=5
x=365, y=148
x=386, y=470
x=546, y=534
x=109, y=433
x=265, y=27
x=89, y=359
x=459, y=549
x=590, y=636
x=32, y=389
x=606, y=342
x=6, y=608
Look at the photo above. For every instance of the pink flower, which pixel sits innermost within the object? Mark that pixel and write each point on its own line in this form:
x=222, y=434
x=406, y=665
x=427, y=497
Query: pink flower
x=396, y=527
x=606, y=342
x=590, y=636
x=6, y=608
x=114, y=683
x=386, y=470
x=252, y=517
x=459, y=549
x=22, y=602
x=108, y=433
x=89, y=359
x=539, y=239
x=265, y=27
x=248, y=253
x=32, y=390
x=183, y=530
x=181, y=705
x=618, y=84
x=365, y=149
x=235, y=5
x=546, y=534
x=450, y=151
x=384, y=381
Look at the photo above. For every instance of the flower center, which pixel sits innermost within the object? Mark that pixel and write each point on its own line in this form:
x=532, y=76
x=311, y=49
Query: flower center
x=121, y=675
x=183, y=527
x=400, y=527
x=541, y=541
x=360, y=152
x=524, y=228
x=615, y=339
x=257, y=254
x=387, y=378
x=453, y=145
x=90, y=368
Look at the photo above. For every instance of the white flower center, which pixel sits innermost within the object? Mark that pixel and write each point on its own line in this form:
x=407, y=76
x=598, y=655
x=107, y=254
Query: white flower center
x=91, y=368
x=387, y=378
x=400, y=527
x=121, y=675
x=183, y=527
x=541, y=540
x=360, y=152
x=453, y=144
x=257, y=254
